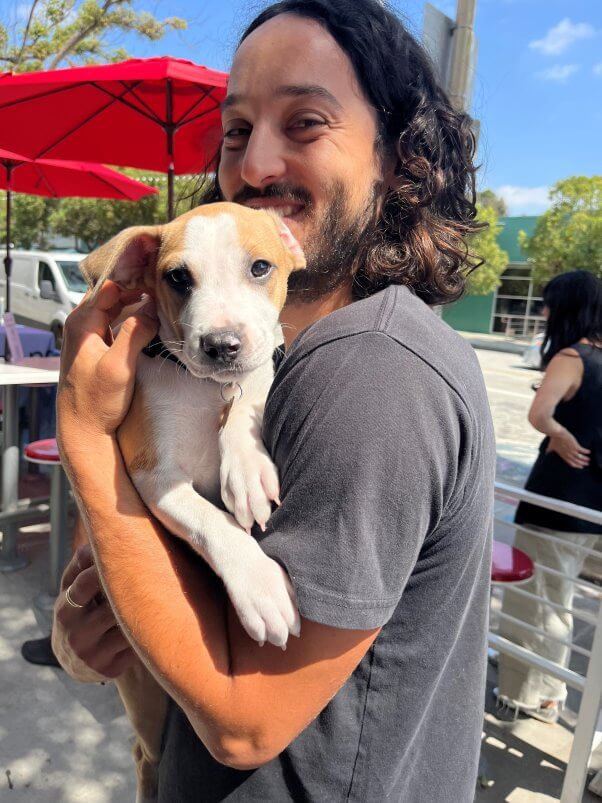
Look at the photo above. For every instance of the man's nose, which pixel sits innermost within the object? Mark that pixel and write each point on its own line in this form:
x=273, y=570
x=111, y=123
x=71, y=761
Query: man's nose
x=263, y=161
x=222, y=347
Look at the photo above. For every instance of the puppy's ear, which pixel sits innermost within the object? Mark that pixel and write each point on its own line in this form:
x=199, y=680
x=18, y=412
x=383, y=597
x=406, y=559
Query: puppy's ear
x=129, y=259
x=289, y=240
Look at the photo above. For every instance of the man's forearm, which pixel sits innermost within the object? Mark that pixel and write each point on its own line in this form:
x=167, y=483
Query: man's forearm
x=156, y=588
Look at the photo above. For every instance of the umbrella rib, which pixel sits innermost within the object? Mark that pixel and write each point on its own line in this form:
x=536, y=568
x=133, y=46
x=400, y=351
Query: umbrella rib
x=150, y=114
x=204, y=94
x=39, y=95
x=42, y=179
x=79, y=125
x=197, y=117
x=113, y=187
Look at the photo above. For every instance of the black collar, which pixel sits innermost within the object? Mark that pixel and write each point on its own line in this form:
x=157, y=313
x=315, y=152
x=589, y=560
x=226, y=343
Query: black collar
x=156, y=348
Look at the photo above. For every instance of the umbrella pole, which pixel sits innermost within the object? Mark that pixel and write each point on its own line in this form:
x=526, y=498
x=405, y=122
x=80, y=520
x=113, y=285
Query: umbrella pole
x=169, y=129
x=170, y=210
x=7, y=259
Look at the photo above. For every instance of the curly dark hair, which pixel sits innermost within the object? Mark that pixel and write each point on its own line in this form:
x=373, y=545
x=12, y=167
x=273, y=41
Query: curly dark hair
x=419, y=235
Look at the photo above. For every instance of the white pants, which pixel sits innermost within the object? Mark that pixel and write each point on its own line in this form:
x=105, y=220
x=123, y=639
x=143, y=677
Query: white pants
x=520, y=683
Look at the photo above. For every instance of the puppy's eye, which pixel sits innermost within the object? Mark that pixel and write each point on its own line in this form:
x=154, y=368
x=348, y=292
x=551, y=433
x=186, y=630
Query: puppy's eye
x=180, y=279
x=261, y=268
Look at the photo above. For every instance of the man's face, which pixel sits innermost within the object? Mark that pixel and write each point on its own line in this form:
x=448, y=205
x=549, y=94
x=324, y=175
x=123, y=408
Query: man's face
x=299, y=137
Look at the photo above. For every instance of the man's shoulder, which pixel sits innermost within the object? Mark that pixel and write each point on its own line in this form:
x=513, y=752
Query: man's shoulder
x=412, y=331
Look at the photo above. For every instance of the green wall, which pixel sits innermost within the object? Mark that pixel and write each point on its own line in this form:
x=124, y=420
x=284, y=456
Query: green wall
x=470, y=314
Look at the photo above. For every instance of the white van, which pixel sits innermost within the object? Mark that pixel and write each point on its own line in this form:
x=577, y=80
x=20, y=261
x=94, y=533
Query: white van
x=44, y=287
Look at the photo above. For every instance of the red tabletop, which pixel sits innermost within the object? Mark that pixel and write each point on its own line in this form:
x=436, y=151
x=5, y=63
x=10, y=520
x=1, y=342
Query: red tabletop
x=45, y=451
x=509, y=565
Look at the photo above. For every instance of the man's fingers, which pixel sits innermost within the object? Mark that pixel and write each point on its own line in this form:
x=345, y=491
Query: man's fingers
x=82, y=559
x=85, y=586
x=100, y=307
x=135, y=333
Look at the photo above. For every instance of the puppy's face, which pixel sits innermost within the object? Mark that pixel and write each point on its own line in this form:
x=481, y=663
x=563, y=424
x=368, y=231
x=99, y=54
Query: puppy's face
x=219, y=277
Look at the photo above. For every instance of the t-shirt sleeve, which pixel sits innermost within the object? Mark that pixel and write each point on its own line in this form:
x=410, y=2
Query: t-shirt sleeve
x=365, y=435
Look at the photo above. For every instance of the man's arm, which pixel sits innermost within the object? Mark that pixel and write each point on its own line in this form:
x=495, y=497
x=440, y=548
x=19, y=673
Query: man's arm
x=246, y=703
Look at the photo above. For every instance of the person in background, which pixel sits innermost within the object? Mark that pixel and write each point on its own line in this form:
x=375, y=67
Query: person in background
x=567, y=409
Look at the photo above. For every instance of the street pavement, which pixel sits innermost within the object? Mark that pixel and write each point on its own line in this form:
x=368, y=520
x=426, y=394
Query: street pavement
x=64, y=742
x=510, y=391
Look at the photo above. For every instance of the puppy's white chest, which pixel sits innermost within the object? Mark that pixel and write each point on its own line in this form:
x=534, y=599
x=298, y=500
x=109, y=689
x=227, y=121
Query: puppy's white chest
x=185, y=414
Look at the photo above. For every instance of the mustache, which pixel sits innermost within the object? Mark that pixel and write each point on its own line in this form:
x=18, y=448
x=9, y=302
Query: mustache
x=288, y=192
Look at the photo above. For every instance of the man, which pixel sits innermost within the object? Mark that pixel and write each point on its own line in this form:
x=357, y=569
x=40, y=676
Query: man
x=378, y=422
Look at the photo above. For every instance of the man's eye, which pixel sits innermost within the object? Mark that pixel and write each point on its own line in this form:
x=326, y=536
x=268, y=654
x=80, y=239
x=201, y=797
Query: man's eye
x=179, y=279
x=305, y=123
x=261, y=268
x=233, y=133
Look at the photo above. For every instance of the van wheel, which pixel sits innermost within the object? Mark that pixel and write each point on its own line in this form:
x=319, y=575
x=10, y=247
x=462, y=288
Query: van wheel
x=57, y=331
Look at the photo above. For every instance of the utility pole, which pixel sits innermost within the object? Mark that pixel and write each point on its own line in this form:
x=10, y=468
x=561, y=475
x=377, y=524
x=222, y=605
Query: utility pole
x=453, y=48
x=463, y=56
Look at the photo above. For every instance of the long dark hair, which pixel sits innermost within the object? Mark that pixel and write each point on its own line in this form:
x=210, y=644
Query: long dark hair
x=419, y=237
x=575, y=303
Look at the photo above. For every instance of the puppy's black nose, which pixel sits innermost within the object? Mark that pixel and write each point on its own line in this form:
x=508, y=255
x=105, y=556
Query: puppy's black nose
x=222, y=347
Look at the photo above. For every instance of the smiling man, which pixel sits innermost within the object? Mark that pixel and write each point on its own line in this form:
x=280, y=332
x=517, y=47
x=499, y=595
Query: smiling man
x=378, y=422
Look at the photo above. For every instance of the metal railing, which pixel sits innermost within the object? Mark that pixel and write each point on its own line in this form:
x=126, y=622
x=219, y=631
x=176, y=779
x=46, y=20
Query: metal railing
x=590, y=683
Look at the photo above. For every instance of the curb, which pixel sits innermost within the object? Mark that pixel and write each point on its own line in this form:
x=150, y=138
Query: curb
x=494, y=345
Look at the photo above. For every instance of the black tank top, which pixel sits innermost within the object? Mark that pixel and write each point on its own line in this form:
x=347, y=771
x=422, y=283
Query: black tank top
x=551, y=476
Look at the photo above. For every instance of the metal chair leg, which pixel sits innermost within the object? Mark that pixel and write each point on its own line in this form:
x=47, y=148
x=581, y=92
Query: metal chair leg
x=60, y=536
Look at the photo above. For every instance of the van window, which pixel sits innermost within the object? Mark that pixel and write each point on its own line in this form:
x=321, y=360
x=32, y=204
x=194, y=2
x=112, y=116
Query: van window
x=45, y=274
x=72, y=275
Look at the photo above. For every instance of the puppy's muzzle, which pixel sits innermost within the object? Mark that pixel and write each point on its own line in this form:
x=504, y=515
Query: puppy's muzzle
x=221, y=347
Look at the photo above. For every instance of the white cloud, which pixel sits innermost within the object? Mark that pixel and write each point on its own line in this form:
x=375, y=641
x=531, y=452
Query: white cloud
x=562, y=36
x=525, y=200
x=597, y=69
x=559, y=72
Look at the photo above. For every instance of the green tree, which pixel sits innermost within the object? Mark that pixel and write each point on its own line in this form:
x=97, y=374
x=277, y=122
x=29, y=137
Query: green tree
x=30, y=220
x=486, y=277
x=95, y=221
x=569, y=235
x=488, y=198
x=71, y=32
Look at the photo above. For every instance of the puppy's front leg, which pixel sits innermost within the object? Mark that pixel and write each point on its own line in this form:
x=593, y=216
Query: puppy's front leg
x=258, y=587
x=249, y=479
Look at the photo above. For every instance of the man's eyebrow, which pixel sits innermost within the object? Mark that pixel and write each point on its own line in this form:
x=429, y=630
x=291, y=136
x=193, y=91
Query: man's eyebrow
x=290, y=90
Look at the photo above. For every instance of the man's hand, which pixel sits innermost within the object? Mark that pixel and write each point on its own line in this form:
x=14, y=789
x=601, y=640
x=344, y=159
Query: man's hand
x=569, y=449
x=88, y=641
x=97, y=373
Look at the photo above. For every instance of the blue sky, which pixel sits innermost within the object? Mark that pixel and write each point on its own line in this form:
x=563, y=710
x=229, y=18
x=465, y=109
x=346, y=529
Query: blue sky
x=537, y=89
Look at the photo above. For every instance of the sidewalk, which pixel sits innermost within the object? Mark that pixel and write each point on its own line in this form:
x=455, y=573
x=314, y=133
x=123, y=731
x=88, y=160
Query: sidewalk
x=64, y=742
x=511, y=345
x=60, y=741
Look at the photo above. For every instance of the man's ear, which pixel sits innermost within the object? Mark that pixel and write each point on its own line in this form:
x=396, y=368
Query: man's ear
x=129, y=259
x=290, y=242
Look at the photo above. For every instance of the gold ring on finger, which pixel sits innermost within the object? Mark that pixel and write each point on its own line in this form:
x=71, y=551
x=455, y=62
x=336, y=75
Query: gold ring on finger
x=71, y=601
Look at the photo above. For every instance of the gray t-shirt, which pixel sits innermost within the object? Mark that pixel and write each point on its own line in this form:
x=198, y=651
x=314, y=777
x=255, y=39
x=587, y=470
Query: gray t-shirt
x=379, y=423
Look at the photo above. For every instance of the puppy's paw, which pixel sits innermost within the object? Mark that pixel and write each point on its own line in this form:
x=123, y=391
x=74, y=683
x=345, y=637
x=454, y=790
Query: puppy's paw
x=249, y=485
x=262, y=595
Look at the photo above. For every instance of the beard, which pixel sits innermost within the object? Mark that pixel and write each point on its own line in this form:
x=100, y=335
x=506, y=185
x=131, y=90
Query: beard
x=332, y=252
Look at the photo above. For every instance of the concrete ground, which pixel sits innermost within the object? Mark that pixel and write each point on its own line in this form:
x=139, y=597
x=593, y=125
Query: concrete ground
x=63, y=742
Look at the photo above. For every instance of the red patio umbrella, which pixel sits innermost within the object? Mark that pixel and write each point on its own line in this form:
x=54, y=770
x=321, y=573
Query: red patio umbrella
x=61, y=179
x=157, y=114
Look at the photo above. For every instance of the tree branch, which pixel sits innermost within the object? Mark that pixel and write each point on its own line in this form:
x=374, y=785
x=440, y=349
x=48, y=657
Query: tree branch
x=79, y=36
x=26, y=32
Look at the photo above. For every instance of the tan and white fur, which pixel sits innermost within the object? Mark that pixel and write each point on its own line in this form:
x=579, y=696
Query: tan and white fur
x=220, y=319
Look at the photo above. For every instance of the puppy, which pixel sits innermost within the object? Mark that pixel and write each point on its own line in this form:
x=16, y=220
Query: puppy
x=192, y=436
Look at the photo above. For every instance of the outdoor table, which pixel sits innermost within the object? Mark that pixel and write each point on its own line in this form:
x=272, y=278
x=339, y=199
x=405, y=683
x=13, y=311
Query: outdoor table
x=35, y=342
x=30, y=371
